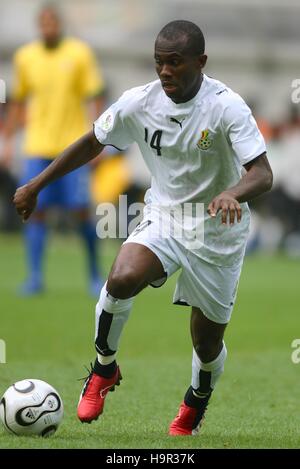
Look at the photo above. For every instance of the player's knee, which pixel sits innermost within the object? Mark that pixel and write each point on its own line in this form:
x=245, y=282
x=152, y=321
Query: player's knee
x=208, y=349
x=123, y=284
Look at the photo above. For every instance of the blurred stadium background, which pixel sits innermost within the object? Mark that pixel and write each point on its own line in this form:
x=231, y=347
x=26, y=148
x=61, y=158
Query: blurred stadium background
x=254, y=48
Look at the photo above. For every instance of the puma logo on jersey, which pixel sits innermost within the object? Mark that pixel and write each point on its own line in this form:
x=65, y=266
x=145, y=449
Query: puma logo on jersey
x=172, y=119
x=204, y=142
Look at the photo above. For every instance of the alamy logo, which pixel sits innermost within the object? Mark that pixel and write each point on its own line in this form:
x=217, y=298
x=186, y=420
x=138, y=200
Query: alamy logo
x=184, y=222
x=295, y=95
x=2, y=351
x=2, y=92
x=295, y=356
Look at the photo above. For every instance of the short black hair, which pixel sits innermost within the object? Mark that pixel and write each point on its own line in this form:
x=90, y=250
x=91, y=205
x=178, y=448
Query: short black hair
x=179, y=28
x=51, y=6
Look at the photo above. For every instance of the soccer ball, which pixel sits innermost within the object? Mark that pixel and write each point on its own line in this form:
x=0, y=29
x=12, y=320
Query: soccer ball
x=31, y=407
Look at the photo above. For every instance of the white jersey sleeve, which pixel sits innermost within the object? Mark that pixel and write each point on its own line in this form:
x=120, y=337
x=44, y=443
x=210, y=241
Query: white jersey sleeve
x=112, y=128
x=242, y=131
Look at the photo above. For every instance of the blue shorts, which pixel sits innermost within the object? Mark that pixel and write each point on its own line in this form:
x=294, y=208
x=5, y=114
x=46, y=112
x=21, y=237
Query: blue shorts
x=71, y=191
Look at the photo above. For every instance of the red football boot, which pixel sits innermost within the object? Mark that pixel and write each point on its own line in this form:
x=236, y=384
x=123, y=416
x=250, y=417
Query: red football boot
x=185, y=423
x=94, y=391
x=188, y=421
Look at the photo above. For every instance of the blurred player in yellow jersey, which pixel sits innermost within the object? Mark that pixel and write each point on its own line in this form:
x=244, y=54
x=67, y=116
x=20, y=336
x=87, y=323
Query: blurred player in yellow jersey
x=56, y=81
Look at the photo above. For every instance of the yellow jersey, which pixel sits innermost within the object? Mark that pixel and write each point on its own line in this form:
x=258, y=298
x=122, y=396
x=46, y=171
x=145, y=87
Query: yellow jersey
x=55, y=84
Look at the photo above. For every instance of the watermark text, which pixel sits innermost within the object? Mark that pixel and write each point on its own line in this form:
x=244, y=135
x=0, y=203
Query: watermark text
x=2, y=91
x=295, y=357
x=295, y=96
x=184, y=222
x=2, y=351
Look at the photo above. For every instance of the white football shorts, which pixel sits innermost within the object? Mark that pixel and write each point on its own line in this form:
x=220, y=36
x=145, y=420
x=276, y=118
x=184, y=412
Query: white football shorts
x=207, y=286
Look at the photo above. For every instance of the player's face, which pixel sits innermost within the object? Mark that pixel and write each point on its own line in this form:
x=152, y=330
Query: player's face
x=178, y=71
x=50, y=27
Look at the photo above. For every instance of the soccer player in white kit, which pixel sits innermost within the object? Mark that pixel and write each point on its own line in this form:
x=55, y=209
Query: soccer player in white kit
x=203, y=148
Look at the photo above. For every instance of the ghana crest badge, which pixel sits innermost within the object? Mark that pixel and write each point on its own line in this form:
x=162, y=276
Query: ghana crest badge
x=204, y=142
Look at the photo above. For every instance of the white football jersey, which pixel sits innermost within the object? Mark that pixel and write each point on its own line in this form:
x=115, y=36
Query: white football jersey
x=194, y=151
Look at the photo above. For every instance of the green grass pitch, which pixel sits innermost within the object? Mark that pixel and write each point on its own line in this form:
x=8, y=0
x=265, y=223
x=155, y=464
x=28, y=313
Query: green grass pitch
x=256, y=402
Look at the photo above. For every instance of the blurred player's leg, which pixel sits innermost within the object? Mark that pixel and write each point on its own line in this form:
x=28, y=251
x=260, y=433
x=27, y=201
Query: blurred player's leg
x=35, y=230
x=136, y=266
x=209, y=355
x=35, y=233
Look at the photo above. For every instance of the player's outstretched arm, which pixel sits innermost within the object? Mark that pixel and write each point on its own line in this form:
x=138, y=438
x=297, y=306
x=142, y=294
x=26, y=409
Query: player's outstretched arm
x=256, y=181
x=76, y=155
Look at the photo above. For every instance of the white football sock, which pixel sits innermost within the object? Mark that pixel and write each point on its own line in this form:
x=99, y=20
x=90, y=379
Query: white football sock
x=111, y=316
x=205, y=375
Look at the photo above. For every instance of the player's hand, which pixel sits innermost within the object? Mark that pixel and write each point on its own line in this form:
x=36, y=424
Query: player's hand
x=25, y=200
x=228, y=206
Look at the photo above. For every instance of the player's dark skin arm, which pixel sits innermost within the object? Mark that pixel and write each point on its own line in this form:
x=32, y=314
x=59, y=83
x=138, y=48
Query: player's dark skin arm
x=256, y=181
x=76, y=155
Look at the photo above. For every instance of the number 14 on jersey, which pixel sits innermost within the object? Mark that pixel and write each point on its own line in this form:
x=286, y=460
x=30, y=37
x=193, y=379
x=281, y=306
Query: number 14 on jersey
x=155, y=140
